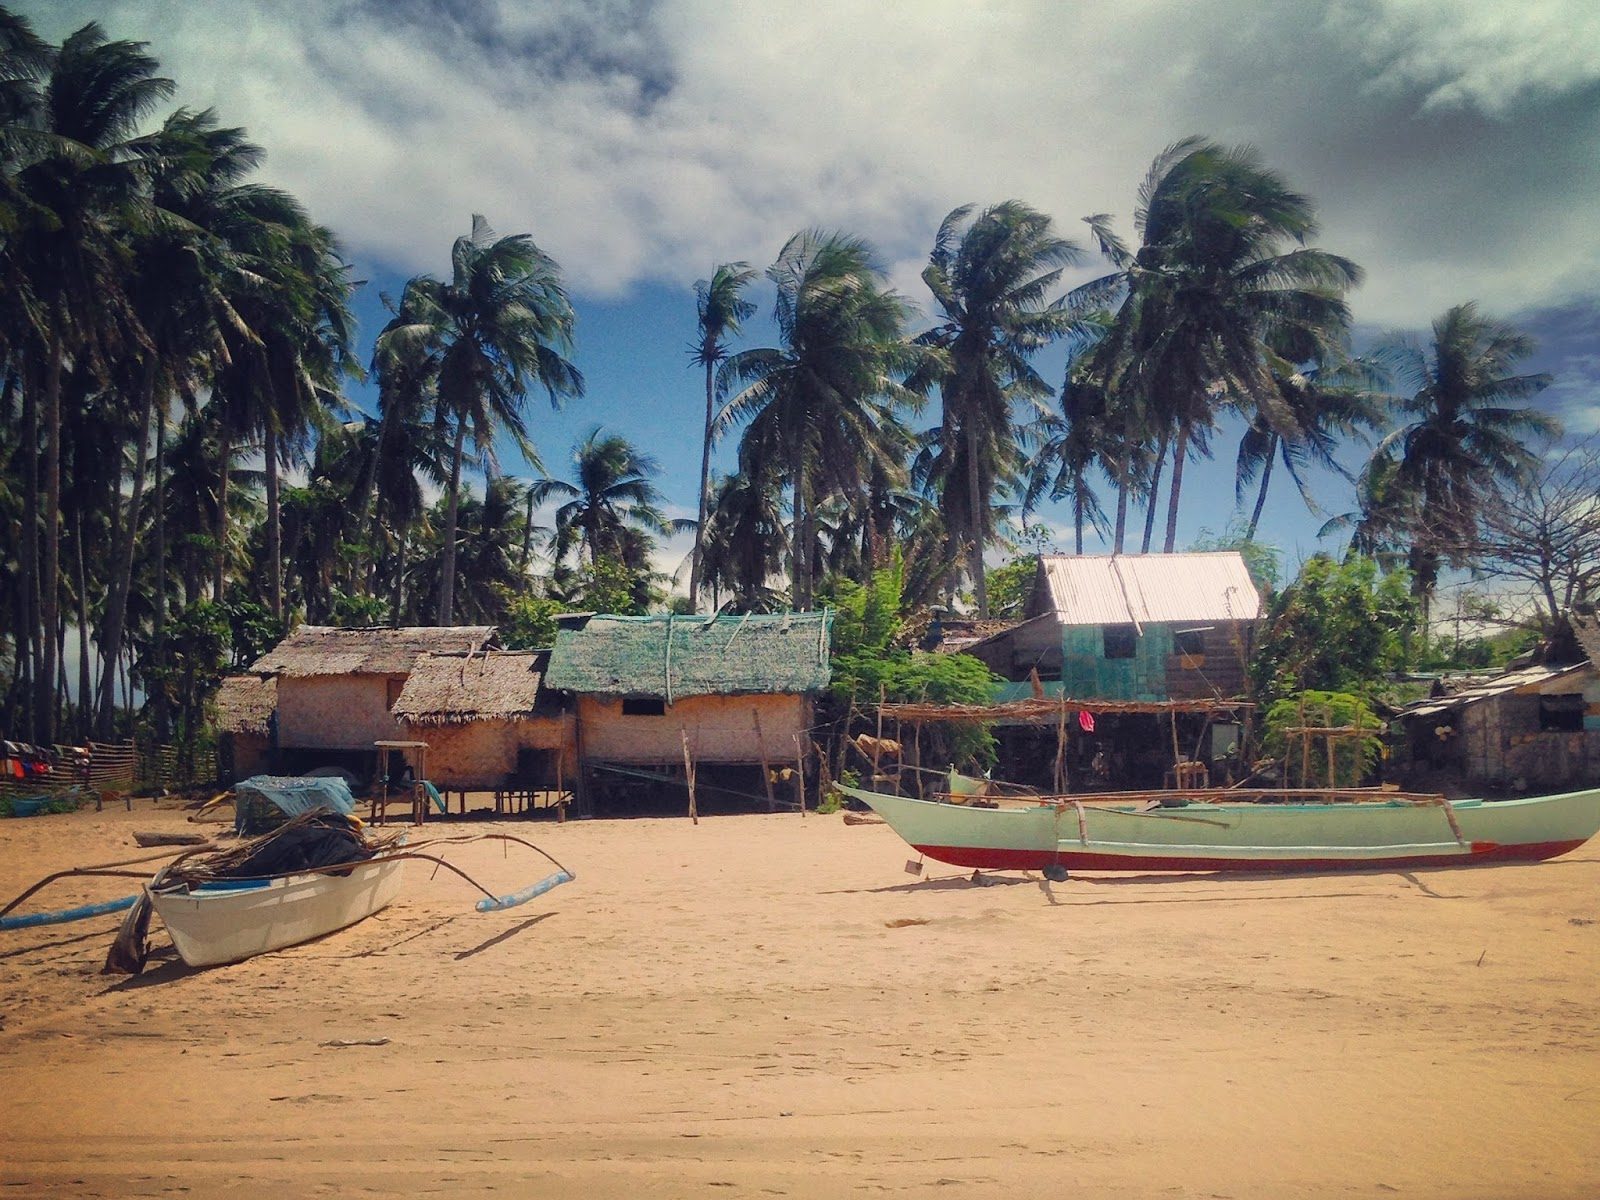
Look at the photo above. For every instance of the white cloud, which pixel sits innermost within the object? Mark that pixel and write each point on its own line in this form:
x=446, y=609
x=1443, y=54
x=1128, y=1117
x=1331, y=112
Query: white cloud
x=1450, y=145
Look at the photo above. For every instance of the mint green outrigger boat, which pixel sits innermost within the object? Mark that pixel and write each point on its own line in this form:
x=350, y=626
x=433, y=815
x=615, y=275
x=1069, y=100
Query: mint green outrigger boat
x=1210, y=830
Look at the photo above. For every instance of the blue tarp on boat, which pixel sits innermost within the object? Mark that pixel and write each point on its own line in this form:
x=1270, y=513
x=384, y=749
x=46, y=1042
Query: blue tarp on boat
x=289, y=795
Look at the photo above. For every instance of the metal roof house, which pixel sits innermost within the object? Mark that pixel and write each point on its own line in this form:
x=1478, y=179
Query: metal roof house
x=1143, y=627
x=656, y=692
x=1536, y=728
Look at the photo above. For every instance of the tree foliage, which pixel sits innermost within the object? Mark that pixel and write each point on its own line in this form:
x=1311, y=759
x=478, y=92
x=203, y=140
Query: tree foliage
x=1339, y=627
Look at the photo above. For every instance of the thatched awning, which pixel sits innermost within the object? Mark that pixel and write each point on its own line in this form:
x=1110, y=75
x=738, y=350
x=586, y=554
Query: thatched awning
x=245, y=704
x=323, y=650
x=454, y=689
x=677, y=656
x=1048, y=711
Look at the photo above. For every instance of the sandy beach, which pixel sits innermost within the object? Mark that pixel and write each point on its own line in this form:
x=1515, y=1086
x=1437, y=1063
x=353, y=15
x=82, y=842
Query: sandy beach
x=772, y=1006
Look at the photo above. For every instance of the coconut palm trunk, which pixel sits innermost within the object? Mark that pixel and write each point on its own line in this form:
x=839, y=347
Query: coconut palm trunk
x=122, y=580
x=447, y=581
x=1154, y=498
x=1266, y=478
x=44, y=717
x=158, y=620
x=705, y=488
x=1180, y=451
x=274, y=520
x=975, y=510
x=224, y=462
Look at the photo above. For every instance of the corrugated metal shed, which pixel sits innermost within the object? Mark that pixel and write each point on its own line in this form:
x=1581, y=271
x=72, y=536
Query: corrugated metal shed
x=1145, y=589
x=1525, y=679
x=674, y=656
x=323, y=650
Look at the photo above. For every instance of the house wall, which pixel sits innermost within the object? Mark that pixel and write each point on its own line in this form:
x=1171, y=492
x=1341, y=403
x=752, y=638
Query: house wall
x=1500, y=742
x=479, y=755
x=1071, y=661
x=721, y=729
x=337, y=712
x=242, y=755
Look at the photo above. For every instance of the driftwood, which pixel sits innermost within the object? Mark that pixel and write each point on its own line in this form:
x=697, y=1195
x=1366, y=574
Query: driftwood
x=855, y=818
x=148, y=838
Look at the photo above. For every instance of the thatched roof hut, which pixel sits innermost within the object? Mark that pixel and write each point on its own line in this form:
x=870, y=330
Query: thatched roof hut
x=453, y=689
x=323, y=650
x=674, y=657
x=245, y=704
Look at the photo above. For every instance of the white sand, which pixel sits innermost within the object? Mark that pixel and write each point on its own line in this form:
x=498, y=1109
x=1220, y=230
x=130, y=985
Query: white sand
x=769, y=1005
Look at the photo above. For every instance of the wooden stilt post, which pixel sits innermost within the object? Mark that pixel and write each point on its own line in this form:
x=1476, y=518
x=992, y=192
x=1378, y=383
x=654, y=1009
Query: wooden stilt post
x=916, y=754
x=1060, y=783
x=1305, y=748
x=688, y=775
x=800, y=774
x=561, y=783
x=766, y=763
x=899, y=740
x=1333, y=742
x=877, y=745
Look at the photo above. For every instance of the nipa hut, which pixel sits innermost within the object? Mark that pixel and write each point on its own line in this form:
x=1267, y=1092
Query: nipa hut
x=245, y=704
x=658, y=693
x=489, y=723
x=336, y=688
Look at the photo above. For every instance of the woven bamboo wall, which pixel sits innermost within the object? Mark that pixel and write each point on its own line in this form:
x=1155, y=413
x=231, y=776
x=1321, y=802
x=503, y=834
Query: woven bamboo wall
x=479, y=755
x=721, y=729
x=335, y=712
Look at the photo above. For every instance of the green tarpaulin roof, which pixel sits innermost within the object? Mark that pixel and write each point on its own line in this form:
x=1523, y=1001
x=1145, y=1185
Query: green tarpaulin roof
x=675, y=656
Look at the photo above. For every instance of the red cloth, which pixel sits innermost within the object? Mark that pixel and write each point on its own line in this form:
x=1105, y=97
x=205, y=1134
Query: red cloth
x=1086, y=721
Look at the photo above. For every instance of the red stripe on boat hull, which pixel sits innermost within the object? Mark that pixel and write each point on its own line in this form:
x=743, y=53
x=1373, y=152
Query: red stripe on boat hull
x=1086, y=860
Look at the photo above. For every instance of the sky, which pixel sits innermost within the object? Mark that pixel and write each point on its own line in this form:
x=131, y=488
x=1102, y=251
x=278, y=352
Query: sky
x=1452, y=148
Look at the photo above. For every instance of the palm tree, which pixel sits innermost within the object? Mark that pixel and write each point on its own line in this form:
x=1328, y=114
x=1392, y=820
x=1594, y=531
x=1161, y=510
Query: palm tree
x=1070, y=444
x=611, y=494
x=1324, y=403
x=1221, y=270
x=77, y=192
x=721, y=310
x=822, y=404
x=502, y=323
x=1463, y=433
x=745, y=541
x=992, y=277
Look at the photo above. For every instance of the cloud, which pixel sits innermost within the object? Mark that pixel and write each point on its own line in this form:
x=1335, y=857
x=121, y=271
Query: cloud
x=1449, y=145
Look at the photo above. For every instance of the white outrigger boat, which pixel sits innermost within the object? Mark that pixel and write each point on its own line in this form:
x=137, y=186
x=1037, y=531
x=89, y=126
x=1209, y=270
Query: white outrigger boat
x=222, y=904
x=226, y=920
x=1210, y=830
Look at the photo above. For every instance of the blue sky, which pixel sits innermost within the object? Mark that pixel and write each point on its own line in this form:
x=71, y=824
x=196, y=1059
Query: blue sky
x=1450, y=146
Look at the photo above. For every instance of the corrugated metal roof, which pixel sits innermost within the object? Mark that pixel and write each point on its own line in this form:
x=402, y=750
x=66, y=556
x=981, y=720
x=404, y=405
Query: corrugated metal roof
x=1121, y=589
x=1511, y=681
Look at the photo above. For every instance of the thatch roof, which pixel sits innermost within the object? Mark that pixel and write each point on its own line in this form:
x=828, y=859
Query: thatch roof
x=322, y=650
x=245, y=704
x=675, y=656
x=453, y=689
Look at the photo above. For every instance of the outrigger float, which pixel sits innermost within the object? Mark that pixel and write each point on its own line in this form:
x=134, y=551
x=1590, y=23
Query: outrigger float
x=1216, y=829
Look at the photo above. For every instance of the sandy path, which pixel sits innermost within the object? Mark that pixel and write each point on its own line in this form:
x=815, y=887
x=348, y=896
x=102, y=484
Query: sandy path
x=770, y=1006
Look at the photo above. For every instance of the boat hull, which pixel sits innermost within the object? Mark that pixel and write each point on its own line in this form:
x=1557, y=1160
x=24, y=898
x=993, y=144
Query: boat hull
x=211, y=926
x=1242, y=837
